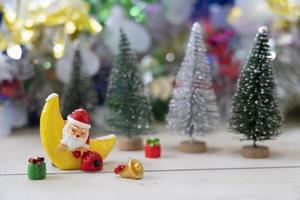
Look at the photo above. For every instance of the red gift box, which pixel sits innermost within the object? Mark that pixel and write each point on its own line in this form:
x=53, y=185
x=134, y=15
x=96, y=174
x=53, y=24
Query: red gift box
x=152, y=149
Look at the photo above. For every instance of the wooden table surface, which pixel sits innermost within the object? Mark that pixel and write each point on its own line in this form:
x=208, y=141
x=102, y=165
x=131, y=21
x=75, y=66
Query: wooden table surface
x=220, y=173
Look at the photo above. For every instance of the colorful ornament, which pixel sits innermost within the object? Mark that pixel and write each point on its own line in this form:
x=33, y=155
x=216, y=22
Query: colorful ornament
x=36, y=168
x=135, y=9
x=51, y=129
x=133, y=170
x=153, y=148
x=226, y=67
x=26, y=25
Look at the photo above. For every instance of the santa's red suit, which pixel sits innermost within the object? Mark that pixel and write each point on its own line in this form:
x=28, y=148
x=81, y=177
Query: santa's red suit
x=80, y=118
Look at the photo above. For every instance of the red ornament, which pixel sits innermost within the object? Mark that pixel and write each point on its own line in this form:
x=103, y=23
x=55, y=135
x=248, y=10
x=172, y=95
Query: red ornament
x=152, y=151
x=91, y=161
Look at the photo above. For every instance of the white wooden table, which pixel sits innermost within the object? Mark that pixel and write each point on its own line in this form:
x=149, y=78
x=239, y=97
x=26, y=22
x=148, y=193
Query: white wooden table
x=220, y=173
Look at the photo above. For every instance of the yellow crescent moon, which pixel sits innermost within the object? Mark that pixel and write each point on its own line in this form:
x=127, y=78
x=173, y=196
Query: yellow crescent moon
x=51, y=125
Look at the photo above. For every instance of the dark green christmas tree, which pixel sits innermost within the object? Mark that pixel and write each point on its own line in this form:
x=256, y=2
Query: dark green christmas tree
x=255, y=110
x=130, y=110
x=79, y=92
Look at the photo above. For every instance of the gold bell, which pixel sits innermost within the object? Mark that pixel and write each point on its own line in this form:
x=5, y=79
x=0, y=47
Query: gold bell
x=133, y=170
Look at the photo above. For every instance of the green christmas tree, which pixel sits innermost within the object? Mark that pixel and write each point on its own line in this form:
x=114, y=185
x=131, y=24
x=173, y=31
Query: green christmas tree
x=79, y=92
x=255, y=110
x=130, y=110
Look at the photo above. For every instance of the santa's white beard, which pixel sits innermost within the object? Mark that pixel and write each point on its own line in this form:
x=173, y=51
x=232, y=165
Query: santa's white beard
x=72, y=141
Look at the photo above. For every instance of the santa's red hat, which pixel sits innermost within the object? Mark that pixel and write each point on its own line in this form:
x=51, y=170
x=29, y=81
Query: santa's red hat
x=81, y=118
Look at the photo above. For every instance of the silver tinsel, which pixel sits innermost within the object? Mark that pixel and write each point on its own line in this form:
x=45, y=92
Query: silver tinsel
x=193, y=110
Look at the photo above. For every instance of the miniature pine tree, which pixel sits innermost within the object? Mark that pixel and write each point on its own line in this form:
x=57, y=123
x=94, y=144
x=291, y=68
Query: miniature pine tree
x=130, y=110
x=193, y=109
x=255, y=110
x=79, y=92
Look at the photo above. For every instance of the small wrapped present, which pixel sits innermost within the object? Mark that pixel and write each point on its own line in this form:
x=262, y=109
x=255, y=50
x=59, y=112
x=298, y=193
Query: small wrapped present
x=152, y=148
x=36, y=168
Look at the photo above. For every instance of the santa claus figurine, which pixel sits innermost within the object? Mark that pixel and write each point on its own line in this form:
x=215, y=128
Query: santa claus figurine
x=75, y=136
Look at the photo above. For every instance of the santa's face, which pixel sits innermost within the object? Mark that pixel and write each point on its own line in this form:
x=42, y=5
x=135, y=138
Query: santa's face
x=78, y=132
x=74, y=136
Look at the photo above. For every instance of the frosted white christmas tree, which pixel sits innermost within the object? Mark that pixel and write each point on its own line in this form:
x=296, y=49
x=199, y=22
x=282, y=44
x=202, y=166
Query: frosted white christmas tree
x=193, y=110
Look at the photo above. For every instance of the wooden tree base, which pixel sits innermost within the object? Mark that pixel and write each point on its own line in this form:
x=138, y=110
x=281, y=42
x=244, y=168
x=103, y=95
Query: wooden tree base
x=130, y=144
x=248, y=151
x=192, y=146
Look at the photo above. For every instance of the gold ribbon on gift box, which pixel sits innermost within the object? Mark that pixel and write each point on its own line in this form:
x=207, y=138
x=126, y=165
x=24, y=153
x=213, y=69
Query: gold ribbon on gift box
x=70, y=18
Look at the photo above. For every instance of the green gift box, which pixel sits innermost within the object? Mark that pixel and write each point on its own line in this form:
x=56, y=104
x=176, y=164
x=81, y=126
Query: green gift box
x=36, y=171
